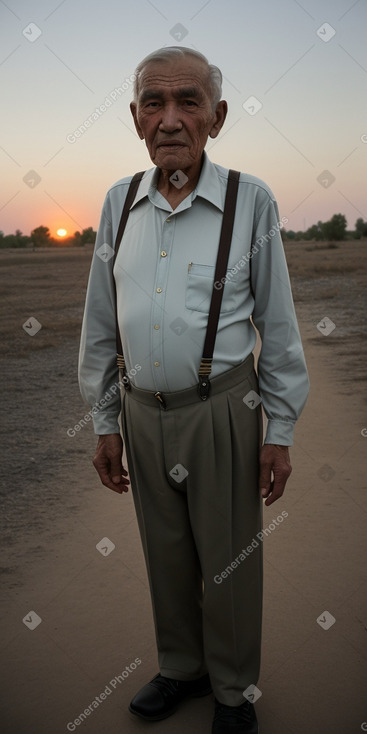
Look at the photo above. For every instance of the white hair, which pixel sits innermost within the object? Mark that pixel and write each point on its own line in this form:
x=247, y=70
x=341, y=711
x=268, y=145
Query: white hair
x=169, y=52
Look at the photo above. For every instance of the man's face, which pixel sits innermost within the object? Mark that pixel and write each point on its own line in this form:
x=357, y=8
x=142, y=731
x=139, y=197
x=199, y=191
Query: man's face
x=174, y=112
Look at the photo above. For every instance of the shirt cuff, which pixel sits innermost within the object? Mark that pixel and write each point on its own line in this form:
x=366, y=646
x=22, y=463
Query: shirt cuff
x=106, y=422
x=280, y=432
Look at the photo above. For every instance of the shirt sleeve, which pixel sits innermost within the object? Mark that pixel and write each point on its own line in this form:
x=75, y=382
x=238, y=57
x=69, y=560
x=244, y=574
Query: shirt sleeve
x=98, y=373
x=282, y=371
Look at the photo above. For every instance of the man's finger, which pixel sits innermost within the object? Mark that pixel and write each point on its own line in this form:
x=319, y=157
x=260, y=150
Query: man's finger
x=117, y=471
x=117, y=486
x=120, y=479
x=118, y=482
x=274, y=494
x=102, y=468
x=281, y=475
x=108, y=463
x=265, y=491
x=265, y=477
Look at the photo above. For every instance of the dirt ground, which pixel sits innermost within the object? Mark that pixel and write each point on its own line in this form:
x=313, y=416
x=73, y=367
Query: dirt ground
x=95, y=611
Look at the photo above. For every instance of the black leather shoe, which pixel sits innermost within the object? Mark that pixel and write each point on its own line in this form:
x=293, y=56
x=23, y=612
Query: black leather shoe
x=160, y=698
x=234, y=719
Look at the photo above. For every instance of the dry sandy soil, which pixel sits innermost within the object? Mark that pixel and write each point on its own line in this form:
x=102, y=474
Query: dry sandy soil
x=95, y=611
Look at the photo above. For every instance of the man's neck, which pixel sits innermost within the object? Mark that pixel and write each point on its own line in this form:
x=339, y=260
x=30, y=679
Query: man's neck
x=170, y=183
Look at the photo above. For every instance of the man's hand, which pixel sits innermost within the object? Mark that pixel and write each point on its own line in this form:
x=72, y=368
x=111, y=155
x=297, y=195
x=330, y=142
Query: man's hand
x=108, y=462
x=273, y=458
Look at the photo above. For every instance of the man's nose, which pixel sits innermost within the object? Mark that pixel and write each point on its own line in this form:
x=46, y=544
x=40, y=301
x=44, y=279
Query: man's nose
x=170, y=119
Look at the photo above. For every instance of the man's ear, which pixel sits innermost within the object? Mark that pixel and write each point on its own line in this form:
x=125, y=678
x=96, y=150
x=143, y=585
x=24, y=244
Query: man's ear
x=220, y=116
x=133, y=110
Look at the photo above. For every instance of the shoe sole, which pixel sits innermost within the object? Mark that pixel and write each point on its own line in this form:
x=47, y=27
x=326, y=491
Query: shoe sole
x=171, y=711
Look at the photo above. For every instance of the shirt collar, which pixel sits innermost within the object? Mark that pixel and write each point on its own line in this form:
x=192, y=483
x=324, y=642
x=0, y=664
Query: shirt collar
x=209, y=186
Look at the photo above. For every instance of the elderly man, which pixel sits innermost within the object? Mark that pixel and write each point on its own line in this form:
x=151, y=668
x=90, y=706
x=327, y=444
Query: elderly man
x=200, y=261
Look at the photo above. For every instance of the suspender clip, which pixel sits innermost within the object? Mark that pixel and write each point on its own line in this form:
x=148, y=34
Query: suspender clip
x=122, y=367
x=126, y=382
x=204, y=387
x=160, y=398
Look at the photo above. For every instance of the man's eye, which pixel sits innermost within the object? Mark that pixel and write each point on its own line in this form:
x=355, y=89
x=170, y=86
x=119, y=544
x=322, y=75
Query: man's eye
x=190, y=102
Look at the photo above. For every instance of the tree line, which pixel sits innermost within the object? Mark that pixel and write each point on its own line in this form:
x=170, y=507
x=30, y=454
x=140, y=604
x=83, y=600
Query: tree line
x=333, y=230
x=41, y=237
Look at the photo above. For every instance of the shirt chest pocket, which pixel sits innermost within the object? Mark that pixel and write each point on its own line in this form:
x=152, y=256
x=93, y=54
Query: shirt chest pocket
x=199, y=288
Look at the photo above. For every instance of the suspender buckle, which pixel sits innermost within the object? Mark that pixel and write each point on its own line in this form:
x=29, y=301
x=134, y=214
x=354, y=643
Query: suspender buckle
x=122, y=367
x=204, y=382
x=203, y=387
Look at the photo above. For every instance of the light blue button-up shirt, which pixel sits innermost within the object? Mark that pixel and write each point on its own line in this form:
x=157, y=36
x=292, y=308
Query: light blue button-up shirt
x=164, y=274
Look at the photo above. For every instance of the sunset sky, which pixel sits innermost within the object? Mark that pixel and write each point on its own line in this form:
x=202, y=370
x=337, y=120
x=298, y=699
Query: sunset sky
x=304, y=62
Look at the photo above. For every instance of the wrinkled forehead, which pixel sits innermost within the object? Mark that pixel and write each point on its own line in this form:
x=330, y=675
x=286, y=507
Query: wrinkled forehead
x=183, y=72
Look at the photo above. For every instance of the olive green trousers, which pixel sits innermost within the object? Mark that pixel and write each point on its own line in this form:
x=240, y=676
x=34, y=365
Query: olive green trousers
x=193, y=469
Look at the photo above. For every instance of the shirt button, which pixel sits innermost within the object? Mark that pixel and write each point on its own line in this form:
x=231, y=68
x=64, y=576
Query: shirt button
x=163, y=253
x=168, y=220
x=159, y=290
x=156, y=364
x=156, y=326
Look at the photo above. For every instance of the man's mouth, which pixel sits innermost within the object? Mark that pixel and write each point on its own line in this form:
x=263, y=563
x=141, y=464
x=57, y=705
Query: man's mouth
x=171, y=146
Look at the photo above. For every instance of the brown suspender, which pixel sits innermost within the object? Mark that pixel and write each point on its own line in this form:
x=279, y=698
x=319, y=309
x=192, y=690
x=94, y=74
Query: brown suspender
x=217, y=293
x=130, y=196
x=220, y=273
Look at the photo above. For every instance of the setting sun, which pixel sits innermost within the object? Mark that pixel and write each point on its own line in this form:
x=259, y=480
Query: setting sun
x=61, y=232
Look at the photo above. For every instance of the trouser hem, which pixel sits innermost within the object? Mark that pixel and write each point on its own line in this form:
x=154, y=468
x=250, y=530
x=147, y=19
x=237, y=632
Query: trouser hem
x=180, y=675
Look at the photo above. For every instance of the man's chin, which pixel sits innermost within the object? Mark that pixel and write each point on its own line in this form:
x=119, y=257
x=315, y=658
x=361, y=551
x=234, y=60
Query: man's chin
x=171, y=161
